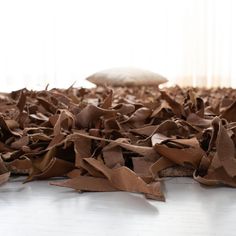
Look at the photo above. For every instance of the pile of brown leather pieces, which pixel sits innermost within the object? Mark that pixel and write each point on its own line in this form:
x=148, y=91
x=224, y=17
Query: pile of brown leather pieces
x=120, y=139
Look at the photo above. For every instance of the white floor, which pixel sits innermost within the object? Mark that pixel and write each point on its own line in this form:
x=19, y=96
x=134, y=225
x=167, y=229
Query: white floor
x=39, y=209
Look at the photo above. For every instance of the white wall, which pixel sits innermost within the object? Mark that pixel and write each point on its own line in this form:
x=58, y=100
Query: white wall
x=192, y=42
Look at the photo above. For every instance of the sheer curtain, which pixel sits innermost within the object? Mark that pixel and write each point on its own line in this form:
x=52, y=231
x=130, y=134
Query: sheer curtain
x=191, y=42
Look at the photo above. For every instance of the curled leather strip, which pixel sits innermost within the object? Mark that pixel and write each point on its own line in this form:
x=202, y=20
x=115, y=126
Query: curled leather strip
x=4, y=173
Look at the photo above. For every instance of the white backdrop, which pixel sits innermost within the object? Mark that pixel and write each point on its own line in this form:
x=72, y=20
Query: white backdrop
x=191, y=42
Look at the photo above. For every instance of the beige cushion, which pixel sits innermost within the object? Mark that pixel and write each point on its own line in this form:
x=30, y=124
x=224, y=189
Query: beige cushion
x=126, y=77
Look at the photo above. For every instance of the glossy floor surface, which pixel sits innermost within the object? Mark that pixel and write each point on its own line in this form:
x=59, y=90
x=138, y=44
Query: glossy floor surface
x=39, y=209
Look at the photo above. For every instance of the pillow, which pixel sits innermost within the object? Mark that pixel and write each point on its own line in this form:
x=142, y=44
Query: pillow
x=126, y=77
